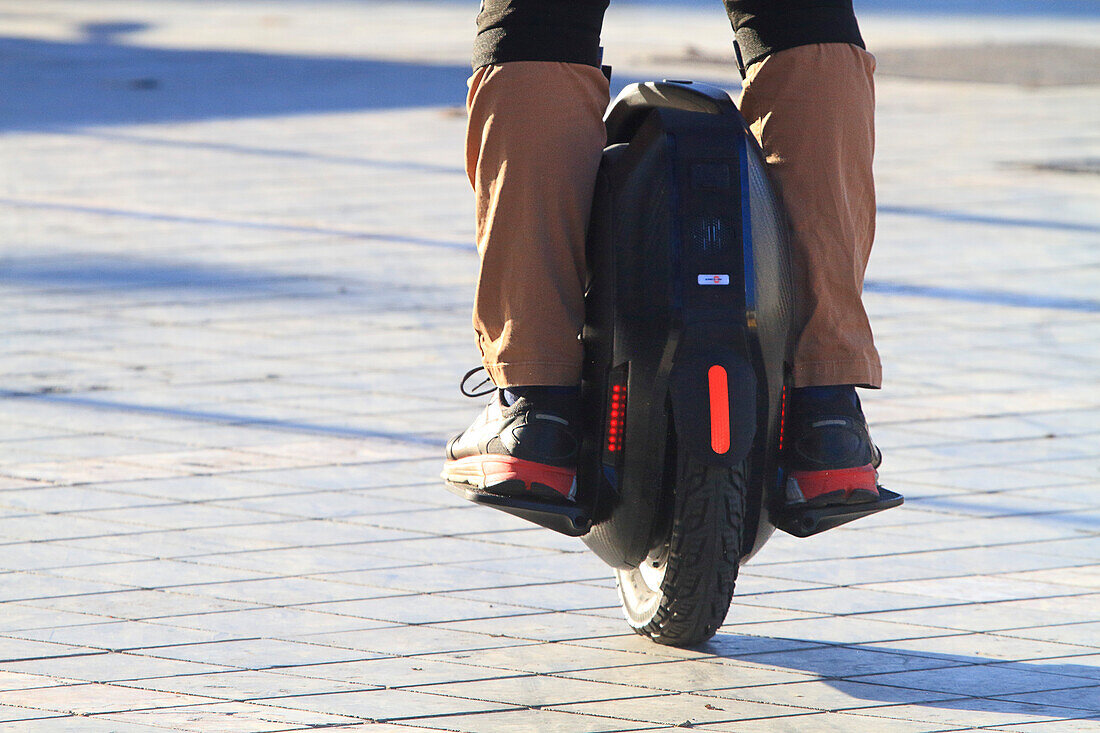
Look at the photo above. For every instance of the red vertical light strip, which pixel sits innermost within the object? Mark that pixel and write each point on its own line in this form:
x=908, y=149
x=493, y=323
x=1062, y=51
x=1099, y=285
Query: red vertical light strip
x=782, y=414
x=719, y=409
x=616, y=418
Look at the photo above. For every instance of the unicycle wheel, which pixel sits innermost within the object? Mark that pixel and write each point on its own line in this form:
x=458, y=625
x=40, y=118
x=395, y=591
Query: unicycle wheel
x=680, y=594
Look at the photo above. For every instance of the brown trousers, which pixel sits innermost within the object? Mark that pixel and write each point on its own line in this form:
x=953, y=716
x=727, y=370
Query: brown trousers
x=533, y=146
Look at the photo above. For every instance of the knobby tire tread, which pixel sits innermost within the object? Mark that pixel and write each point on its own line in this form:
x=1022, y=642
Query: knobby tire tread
x=704, y=551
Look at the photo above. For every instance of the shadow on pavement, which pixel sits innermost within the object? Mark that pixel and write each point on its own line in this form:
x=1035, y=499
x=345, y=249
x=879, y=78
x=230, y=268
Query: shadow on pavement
x=890, y=675
x=101, y=80
x=260, y=224
x=98, y=275
x=112, y=274
x=430, y=442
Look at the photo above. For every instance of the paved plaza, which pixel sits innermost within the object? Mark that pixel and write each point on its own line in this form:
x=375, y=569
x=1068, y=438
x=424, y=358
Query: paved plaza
x=236, y=268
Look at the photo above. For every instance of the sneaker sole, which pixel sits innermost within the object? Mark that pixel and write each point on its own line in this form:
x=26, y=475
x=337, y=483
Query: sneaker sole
x=839, y=486
x=507, y=476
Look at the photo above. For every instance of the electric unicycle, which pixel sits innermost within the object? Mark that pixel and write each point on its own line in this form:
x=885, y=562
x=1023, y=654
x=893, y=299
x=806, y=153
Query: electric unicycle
x=686, y=338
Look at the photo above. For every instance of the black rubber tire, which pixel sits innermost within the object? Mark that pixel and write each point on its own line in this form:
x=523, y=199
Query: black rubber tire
x=699, y=560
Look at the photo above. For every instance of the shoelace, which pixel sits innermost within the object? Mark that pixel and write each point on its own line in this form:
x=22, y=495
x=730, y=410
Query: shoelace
x=473, y=391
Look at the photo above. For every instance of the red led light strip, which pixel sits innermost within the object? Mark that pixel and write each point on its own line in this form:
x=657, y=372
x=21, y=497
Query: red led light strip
x=616, y=418
x=782, y=414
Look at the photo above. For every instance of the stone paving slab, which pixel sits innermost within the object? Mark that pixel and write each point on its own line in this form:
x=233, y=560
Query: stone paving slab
x=235, y=278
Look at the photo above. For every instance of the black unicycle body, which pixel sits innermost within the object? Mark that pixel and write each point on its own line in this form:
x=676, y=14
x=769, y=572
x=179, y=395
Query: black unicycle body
x=688, y=311
x=686, y=337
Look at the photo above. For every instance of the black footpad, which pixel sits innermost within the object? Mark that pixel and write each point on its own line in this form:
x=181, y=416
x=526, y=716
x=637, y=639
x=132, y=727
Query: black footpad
x=806, y=521
x=569, y=519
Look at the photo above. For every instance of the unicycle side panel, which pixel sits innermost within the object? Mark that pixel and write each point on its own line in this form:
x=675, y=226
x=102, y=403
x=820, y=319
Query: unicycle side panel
x=628, y=326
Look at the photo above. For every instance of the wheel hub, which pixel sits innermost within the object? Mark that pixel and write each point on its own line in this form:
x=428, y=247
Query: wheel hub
x=652, y=569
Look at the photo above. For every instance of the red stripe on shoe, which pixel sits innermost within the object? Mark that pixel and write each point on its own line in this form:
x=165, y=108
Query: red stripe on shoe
x=844, y=481
x=492, y=469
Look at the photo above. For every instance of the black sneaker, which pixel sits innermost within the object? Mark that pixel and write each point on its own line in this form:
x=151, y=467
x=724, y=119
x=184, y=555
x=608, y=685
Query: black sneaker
x=829, y=458
x=528, y=449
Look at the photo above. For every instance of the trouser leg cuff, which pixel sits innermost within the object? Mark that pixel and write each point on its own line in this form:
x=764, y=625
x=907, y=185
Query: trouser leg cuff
x=861, y=373
x=531, y=374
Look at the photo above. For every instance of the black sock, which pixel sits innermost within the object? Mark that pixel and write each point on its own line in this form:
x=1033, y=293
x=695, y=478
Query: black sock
x=828, y=393
x=540, y=393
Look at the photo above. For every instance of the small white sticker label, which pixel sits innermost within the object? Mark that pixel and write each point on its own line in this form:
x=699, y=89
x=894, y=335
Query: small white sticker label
x=714, y=279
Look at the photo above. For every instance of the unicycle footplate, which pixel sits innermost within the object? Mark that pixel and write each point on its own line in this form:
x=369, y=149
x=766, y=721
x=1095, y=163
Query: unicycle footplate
x=570, y=519
x=805, y=521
